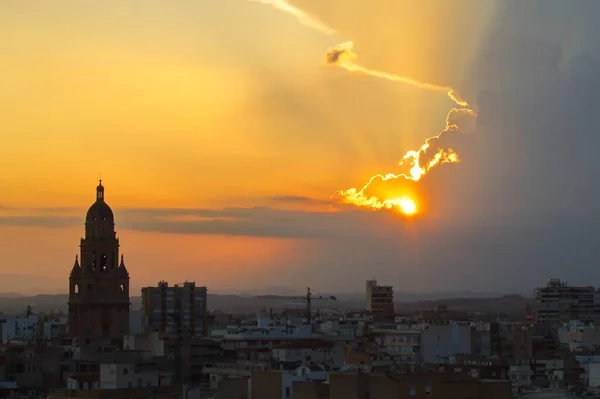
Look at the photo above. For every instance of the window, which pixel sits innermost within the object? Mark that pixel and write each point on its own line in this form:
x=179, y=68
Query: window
x=122, y=288
x=428, y=390
x=76, y=289
x=412, y=392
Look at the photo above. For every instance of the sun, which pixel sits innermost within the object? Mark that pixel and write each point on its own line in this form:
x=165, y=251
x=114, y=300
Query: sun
x=407, y=206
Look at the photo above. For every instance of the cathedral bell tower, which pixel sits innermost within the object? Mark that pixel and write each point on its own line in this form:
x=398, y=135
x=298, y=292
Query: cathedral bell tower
x=99, y=283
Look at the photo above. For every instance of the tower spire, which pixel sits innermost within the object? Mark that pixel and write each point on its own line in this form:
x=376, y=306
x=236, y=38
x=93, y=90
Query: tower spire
x=100, y=191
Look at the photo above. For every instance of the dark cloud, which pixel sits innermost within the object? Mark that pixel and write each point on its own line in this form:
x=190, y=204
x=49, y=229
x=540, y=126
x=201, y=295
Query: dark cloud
x=255, y=222
x=412, y=255
x=538, y=121
x=40, y=221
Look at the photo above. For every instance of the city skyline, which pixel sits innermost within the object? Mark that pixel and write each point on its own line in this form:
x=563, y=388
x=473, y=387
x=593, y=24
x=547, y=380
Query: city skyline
x=221, y=136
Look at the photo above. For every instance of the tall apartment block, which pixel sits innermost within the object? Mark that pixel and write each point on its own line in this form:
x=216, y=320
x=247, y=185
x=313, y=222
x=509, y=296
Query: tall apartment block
x=180, y=308
x=559, y=302
x=380, y=298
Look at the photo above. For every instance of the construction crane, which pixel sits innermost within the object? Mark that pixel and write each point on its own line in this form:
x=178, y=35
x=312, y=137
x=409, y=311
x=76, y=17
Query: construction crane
x=307, y=299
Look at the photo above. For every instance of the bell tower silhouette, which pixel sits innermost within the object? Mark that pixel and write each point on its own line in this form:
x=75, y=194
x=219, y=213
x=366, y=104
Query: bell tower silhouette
x=98, y=283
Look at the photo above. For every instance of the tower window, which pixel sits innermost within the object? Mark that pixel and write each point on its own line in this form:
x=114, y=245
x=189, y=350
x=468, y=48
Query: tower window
x=76, y=289
x=122, y=288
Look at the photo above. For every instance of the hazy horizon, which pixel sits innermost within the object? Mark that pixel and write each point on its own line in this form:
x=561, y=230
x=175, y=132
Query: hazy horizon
x=222, y=137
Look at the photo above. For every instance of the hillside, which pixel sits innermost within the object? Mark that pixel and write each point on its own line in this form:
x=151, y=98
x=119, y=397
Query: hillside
x=508, y=304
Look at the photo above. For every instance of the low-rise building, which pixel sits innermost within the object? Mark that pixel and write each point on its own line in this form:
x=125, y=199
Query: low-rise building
x=329, y=353
x=441, y=341
x=120, y=376
x=403, y=346
x=27, y=328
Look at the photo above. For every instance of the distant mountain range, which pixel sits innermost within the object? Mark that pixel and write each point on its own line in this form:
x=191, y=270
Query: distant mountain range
x=405, y=303
x=11, y=295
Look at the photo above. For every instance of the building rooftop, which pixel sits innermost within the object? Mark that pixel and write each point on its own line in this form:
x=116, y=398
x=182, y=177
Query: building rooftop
x=85, y=377
x=308, y=344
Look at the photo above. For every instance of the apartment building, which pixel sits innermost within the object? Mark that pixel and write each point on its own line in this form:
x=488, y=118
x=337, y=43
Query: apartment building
x=403, y=346
x=175, y=309
x=379, y=298
x=559, y=302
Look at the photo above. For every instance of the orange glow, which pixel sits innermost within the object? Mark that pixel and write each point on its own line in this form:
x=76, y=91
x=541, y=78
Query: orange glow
x=419, y=161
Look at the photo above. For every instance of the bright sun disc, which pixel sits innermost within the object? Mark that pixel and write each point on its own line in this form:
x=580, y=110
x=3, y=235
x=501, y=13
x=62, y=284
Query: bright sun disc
x=407, y=206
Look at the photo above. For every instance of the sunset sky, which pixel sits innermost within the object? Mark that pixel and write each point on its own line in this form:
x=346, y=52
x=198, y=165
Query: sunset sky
x=221, y=135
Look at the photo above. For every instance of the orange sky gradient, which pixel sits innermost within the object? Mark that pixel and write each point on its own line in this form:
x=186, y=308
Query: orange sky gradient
x=212, y=104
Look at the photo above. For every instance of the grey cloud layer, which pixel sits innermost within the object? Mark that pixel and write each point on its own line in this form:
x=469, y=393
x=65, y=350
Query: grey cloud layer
x=258, y=222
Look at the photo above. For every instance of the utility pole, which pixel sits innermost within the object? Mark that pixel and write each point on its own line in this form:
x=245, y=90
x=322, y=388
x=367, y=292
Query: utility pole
x=308, y=305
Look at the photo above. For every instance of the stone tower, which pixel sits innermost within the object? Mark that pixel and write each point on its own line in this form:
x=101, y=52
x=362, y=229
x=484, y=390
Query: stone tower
x=99, y=283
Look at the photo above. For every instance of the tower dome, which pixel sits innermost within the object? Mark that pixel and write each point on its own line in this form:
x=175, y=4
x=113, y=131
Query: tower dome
x=99, y=212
